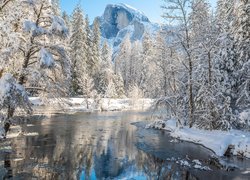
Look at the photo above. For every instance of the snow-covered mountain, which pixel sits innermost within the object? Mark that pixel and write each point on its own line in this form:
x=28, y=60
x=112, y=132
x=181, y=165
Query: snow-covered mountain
x=120, y=19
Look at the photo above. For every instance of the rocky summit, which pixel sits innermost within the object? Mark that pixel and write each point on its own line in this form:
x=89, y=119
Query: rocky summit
x=120, y=20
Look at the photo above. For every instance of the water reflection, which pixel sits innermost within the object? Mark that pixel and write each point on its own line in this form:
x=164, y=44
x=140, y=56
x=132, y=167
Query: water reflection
x=98, y=146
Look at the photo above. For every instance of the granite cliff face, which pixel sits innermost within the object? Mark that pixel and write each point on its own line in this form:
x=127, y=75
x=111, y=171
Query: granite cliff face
x=119, y=20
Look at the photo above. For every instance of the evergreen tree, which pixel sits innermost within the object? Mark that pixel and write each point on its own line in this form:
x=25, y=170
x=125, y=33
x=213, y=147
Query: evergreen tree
x=87, y=84
x=122, y=60
x=56, y=7
x=78, y=44
x=146, y=76
x=66, y=19
x=95, y=58
x=240, y=30
x=105, y=75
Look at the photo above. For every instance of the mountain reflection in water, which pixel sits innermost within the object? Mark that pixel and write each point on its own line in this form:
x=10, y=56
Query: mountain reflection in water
x=100, y=146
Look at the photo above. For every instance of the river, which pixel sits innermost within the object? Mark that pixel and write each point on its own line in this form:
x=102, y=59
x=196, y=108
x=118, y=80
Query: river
x=106, y=145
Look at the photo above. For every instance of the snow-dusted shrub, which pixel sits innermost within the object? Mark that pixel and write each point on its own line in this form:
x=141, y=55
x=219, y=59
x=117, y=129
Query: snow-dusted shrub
x=171, y=108
x=135, y=92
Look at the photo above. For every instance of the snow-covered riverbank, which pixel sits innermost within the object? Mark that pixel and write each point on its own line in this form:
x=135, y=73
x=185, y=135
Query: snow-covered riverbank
x=218, y=141
x=81, y=104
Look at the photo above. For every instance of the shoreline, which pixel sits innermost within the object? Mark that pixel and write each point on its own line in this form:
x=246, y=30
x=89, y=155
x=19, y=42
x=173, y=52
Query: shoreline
x=90, y=105
x=233, y=142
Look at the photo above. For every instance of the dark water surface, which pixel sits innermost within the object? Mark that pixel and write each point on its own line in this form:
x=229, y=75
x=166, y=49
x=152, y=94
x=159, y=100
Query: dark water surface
x=111, y=145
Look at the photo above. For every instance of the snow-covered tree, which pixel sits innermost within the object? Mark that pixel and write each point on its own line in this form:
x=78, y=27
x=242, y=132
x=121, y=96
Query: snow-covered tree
x=146, y=77
x=204, y=37
x=233, y=57
x=135, y=63
x=4, y=3
x=177, y=12
x=10, y=36
x=95, y=57
x=241, y=32
x=12, y=96
x=87, y=84
x=119, y=85
x=122, y=60
x=32, y=51
x=164, y=65
x=43, y=54
x=89, y=41
x=67, y=20
x=105, y=75
x=78, y=52
x=56, y=8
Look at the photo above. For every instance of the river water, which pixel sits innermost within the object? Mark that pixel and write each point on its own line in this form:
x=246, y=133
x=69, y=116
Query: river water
x=110, y=145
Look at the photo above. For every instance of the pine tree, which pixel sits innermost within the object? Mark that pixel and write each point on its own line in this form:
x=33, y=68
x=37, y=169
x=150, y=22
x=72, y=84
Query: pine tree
x=87, y=85
x=89, y=43
x=135, y=63
x=165, y=65
x=106, y=56
x=66, y=19
x=95, y=58
x=240, y=30
x=146, y=63
x=56, y=7
x=119, y=85
x=122, y=60
x=78, y=43
x=233, y=58
x=203, y=37
x=105, y=75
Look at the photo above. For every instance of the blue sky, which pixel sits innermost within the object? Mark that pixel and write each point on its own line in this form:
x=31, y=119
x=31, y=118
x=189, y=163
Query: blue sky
x=93, y=8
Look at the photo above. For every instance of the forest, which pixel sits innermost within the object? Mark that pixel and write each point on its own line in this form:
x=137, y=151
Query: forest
x=197, y=63
x=194, y=68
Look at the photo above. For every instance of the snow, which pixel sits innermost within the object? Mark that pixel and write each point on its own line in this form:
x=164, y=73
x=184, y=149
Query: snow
x=11, y=93
x=183, y=163
x=46, y=59
x=2, y=132
x=105, y=104
x=4, y=87
x=31, y=134
x=58, y=26
x=245, y=117
x=130, y=8
x=137, y=13
x=36, y=101
x=196, y=164
x=196, y=161
x=31, y=27
x=217, y=141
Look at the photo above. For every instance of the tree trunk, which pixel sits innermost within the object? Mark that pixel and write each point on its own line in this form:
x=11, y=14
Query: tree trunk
x=209, y=69
x=10, y=114
x=191, y=100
